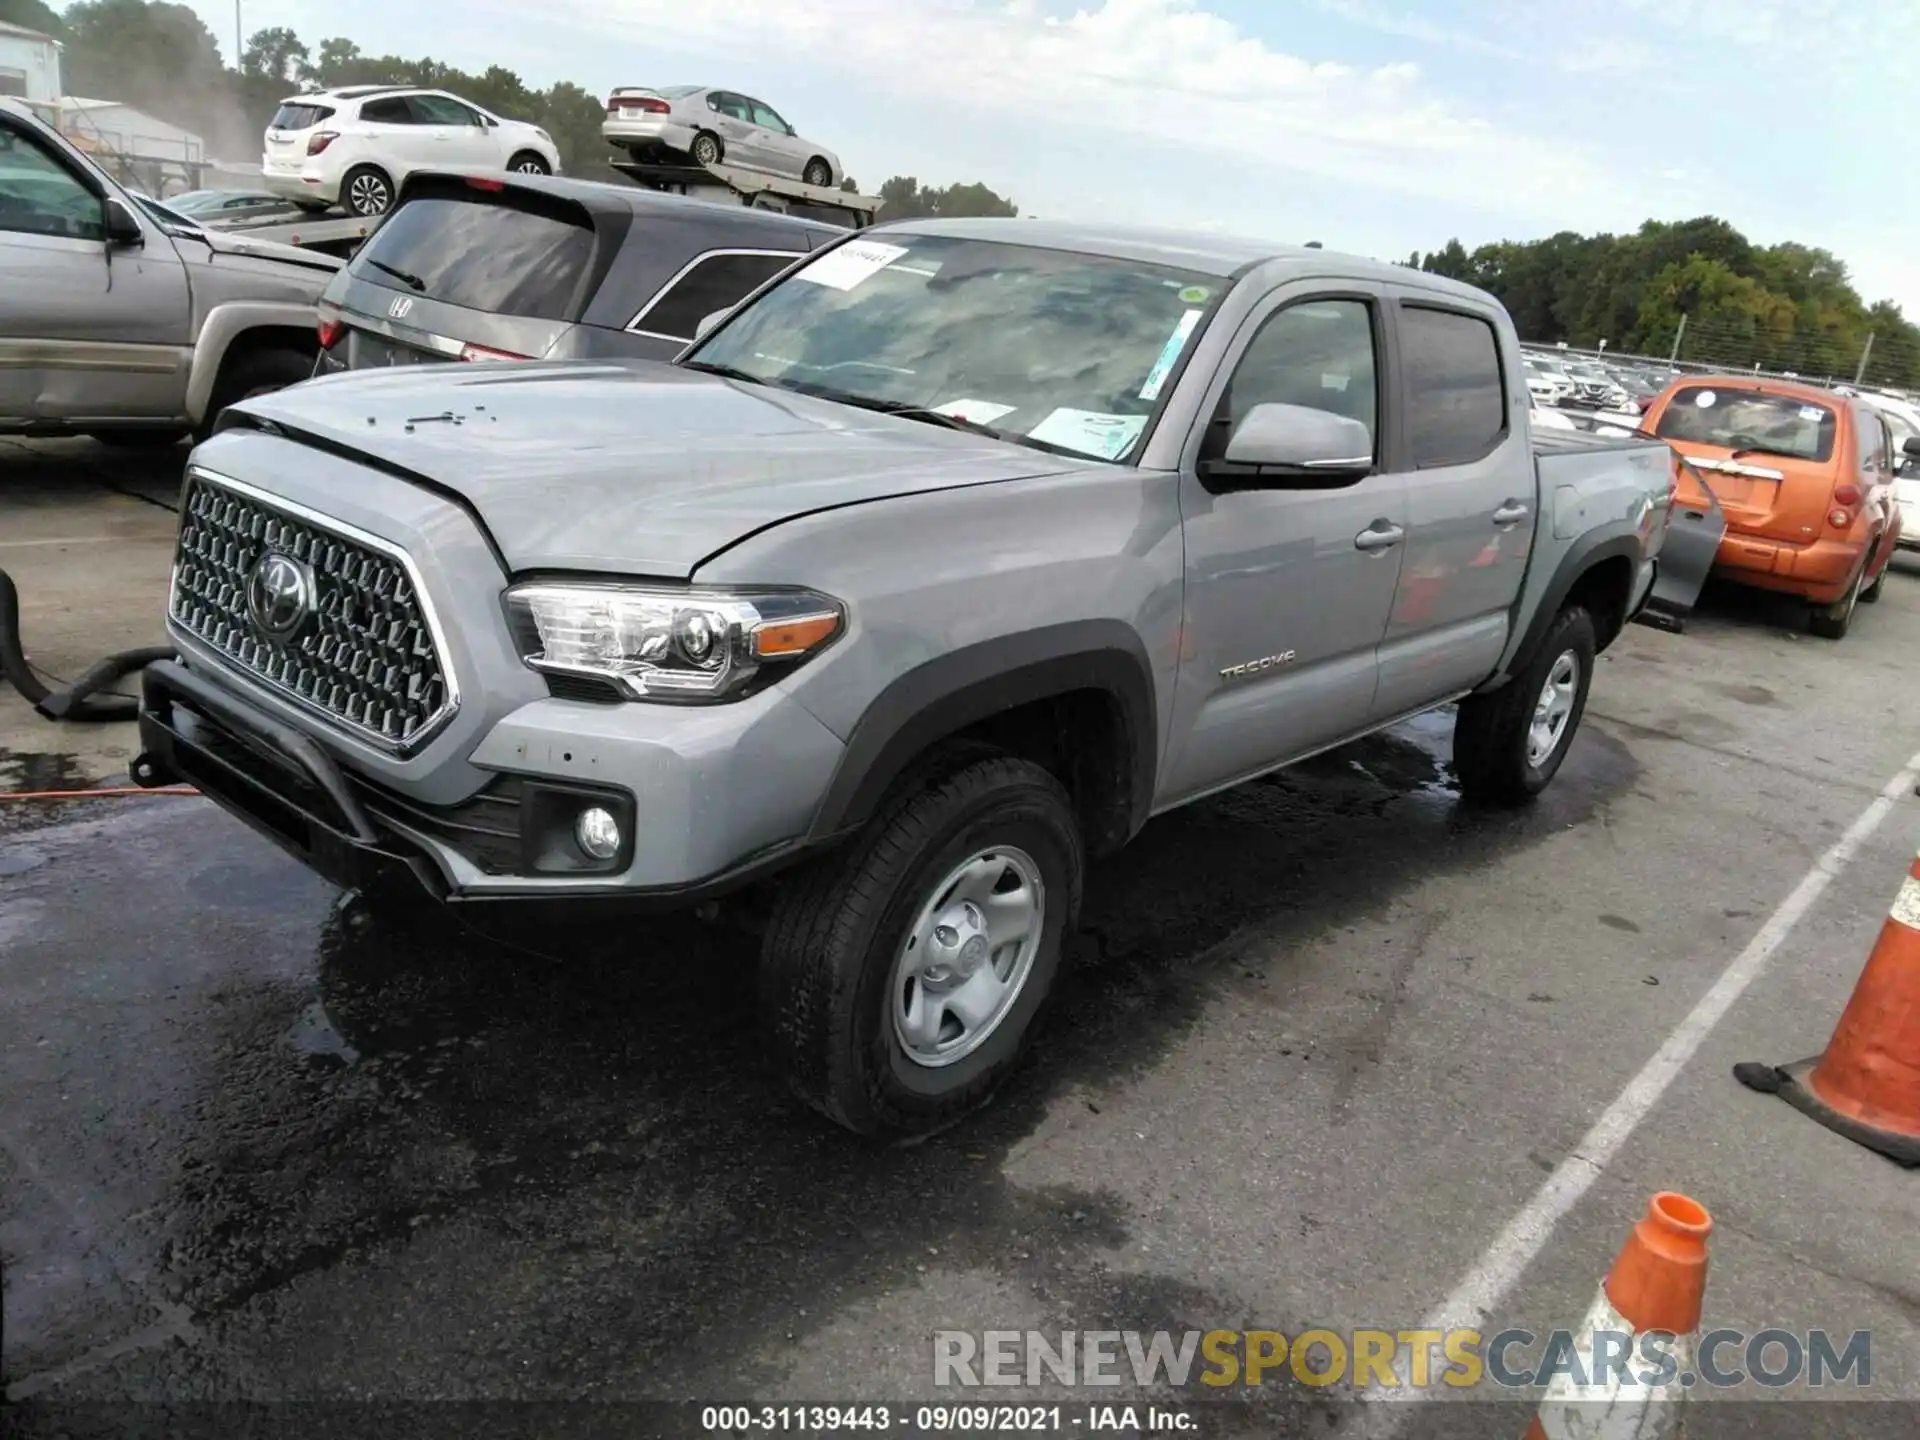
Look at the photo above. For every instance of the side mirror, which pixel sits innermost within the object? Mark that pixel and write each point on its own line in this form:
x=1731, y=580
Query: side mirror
x=708, y=321
x=1296, y=445
x=122, y=228
x=1911, y=447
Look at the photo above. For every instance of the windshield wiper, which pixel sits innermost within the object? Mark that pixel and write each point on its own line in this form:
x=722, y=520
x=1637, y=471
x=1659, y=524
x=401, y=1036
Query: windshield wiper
x=412, y=282
x=725, y=372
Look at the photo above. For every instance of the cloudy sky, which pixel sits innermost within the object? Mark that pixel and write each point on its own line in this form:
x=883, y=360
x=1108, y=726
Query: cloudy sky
x=1380, y=126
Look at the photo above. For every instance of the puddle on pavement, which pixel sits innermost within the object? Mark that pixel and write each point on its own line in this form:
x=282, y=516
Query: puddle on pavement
x=548, y=1098
x=37, y=770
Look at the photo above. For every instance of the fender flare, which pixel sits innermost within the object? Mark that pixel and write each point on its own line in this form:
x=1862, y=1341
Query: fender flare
x=1575, y=563
x=225, y=324
x=954, y=691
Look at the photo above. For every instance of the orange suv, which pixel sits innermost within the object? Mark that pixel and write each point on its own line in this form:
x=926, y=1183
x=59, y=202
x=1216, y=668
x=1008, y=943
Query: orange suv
x=1805, y=478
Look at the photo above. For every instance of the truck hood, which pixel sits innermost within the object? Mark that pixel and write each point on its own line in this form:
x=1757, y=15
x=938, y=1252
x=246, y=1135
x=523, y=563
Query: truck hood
x=635, y=467
x=239, y=247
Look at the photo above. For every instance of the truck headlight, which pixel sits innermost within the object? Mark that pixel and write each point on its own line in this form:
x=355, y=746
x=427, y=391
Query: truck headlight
x=661, y=643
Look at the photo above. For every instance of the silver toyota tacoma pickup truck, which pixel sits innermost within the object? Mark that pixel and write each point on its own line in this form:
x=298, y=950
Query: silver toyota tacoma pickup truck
x=935, y=568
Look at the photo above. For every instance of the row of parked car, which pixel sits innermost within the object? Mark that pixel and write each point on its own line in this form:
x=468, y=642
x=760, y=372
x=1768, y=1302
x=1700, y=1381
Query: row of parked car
x=354, y=146
x=1585, y=384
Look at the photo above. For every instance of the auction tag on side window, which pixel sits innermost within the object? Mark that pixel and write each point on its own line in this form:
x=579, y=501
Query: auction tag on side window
x=847, y=265
x=1169, y=353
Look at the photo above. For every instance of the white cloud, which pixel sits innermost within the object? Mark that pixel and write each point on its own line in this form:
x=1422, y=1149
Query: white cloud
x=1160, y=70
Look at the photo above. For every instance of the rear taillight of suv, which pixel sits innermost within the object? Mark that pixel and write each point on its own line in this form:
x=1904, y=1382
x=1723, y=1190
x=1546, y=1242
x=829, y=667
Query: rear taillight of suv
x=638, y=102
x=319, y=141
x=329, y=327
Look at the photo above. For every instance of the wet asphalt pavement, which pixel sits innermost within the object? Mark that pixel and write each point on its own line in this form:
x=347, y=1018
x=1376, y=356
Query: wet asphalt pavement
x=1320, y=1037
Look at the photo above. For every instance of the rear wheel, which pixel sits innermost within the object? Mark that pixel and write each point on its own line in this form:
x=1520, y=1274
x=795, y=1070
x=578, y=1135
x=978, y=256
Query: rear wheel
x=898, y=980
x=818, y=172
x=1508, y=745
x=1831, y=622
x=706, y=148
x=366, y=191
x=1879, y=582
x=528, y=163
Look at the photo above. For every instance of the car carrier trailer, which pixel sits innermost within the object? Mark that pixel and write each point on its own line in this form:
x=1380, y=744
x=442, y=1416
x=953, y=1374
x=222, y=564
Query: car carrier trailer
x=730, y=184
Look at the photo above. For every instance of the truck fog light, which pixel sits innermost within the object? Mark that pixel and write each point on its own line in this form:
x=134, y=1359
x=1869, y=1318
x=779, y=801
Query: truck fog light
x=597, y=833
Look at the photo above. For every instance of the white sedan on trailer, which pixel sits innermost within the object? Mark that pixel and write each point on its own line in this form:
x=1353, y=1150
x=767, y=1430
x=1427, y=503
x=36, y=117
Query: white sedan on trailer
x=715, y=127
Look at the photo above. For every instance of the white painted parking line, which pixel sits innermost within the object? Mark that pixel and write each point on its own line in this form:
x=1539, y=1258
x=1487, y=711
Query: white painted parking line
x=1523, y=1237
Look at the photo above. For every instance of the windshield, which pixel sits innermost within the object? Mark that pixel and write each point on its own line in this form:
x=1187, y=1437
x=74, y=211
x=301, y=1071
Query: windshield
x=1055, y=349
x=1750, y=420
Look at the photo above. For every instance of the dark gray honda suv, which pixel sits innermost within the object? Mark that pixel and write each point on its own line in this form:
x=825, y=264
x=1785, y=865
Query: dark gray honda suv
x=517, y=267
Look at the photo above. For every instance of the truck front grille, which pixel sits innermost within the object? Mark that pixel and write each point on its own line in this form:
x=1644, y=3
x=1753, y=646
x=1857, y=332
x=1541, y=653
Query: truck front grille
x=342, y=628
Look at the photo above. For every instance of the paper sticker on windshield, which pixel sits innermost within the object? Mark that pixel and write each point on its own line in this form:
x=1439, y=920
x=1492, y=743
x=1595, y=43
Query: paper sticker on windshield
x=1334, y=382
x=847, y=265
x=1169, y=353
x=1195, y=295
x=1813, y=413
x=1704, y=399
x=980, y=412
x=1091, y=432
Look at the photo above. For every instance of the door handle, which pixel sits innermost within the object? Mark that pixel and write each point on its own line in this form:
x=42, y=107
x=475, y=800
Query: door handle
x=1379, y=536
x=1511, y=513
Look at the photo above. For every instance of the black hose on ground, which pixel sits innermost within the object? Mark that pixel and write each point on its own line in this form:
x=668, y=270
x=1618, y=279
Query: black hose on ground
x=81, y=700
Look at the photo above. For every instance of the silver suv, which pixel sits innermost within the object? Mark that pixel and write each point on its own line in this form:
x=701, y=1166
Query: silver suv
x=933, y=572
x=116, y=321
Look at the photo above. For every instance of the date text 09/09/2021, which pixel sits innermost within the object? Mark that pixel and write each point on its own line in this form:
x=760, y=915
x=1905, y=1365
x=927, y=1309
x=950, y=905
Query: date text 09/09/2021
x=943, y=1419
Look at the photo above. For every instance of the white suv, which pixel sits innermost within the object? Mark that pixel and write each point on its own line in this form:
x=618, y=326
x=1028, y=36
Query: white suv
x=352, y=147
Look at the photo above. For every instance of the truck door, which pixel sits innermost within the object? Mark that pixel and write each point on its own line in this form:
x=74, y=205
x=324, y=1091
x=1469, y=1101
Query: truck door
x=1287, y=590
x=1471, y=502
x=86, y=333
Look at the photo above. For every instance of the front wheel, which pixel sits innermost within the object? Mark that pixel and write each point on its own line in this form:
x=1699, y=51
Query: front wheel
x=1508, y=745
x=898, y=981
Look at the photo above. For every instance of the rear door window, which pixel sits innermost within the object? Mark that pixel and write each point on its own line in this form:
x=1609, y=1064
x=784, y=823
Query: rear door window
x=1750, y=421
x=482, y=255
x=299, y=117
x=391, y=110
x=439, y=110
x=1456, y=399
x=715, y=281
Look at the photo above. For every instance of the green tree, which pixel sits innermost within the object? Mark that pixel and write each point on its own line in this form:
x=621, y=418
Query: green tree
x=33, y=15
x=275, y=54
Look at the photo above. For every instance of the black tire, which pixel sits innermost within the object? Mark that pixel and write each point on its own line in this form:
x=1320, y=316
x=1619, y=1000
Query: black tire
x=1877, y=587
x=138, y=439
x=527, y=162
x=366, y=191
x=706, y=149
x=828, y=957
x=818, y=173
x=1831, y=622
x=252, y=372
x=1491, y=739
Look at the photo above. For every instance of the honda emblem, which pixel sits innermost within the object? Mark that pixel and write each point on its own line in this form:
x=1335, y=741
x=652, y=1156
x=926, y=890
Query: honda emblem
x=399, y=308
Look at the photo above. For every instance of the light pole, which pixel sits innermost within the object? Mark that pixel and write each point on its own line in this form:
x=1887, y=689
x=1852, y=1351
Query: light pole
x=236, y=35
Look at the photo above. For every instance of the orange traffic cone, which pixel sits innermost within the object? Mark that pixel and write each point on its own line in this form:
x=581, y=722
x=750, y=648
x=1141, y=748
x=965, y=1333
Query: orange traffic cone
x=1866, y=1086
x=1655, y=1287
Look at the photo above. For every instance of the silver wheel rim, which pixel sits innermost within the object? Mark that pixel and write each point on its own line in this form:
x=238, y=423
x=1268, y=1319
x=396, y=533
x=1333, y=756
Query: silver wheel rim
x=531, y=167
x=819, y=175
x=706, y=151
x=1554, y=709
x=368, y=194
x=967, y=956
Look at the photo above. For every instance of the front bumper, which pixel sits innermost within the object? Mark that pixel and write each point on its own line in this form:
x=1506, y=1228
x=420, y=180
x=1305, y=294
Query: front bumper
x=511, y=841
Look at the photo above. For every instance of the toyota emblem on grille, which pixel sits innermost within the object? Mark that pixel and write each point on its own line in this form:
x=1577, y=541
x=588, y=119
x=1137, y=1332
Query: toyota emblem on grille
x=398, y=309
x=279, y=595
